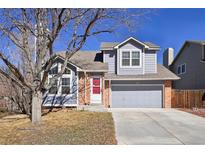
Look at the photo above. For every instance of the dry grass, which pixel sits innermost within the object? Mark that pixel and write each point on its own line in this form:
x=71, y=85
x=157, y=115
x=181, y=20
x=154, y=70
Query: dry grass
x=4, y=113
x=63, y=127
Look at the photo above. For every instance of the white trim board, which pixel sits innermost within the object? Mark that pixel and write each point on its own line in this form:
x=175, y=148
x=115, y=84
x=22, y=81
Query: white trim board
x=131, y=38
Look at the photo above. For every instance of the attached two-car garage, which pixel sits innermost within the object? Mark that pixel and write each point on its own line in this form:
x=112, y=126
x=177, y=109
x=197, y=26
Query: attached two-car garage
x=136, y=95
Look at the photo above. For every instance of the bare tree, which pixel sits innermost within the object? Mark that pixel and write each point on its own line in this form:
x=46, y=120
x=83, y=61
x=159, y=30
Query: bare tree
x=32, y=34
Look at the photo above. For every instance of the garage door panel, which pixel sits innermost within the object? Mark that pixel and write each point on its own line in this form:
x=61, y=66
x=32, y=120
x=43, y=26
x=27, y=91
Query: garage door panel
x=137, y=96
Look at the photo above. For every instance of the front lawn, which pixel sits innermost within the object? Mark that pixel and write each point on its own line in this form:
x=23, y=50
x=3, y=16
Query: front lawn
x=62, y=127
x=4, y=113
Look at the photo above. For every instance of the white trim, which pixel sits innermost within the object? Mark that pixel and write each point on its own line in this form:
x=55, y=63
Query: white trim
x=202, y=61
x=143, y=79
x=83, y=70
x=130, y=38
x=118, y=61
x=155, y=49
x=130, y=50
x=138, y=84
x=163, y=96
x=143, y=55
x=77, y=87
x=155, y=62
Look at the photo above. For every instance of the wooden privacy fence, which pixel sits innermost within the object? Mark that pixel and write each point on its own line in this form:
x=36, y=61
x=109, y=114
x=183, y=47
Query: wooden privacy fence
x=188, y=98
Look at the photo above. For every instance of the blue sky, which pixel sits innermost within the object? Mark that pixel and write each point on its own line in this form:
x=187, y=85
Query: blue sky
x=164, y=27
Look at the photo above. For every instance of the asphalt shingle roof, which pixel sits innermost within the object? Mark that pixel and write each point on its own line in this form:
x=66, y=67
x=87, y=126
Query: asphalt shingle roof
x=197, y=41
x=110, y=45
x=151, y=45
x=87, y=60
x=162, y=74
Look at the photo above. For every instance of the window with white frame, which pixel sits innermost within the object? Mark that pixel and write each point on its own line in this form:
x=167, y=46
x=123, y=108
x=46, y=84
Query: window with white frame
x=125, y=58
x=135, y=58
x=181, y=69
x=65, y=87
x=62, y=85
x=130, y=58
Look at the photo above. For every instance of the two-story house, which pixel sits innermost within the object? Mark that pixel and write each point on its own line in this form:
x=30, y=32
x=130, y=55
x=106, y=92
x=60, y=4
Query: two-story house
x=121, y=75
x=189, y=65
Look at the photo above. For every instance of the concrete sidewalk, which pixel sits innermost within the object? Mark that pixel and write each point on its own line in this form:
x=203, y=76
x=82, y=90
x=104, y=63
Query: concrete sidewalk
x=158, y=126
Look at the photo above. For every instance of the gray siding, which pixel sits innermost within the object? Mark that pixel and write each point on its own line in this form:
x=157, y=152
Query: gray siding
x=110, y=58
x=130, y=71
x=194, y=78
x=150, y=62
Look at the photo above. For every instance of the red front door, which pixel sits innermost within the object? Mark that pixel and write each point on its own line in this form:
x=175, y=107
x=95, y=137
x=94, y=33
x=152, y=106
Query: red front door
x=96, y=90
x=96, y=85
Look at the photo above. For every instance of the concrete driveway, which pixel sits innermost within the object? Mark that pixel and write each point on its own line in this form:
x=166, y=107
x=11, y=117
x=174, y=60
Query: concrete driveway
x=158, y=126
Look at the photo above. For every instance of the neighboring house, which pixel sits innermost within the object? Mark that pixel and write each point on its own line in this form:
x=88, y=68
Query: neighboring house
x=7, y=93
x=189, y=65
x=124, y=74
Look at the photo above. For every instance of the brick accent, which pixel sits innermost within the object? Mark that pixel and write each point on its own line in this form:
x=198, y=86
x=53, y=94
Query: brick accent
x=167, y=93
x=84, y=88
x=106, y=93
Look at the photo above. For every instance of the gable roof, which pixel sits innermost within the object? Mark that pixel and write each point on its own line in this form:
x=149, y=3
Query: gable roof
x=200, y=42
x=87, y=60
x=131, y=38
x=112, y=45
x=162, y=74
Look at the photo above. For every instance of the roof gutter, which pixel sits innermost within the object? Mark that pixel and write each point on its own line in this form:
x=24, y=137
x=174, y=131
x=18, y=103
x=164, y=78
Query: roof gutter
x=83, y=70
x=141, y=79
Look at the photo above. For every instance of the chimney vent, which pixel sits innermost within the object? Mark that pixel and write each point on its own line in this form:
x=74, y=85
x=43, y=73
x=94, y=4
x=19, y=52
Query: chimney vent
x=168, y=57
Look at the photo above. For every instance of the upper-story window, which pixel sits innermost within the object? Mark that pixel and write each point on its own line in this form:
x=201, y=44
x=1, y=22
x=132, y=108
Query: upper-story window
x=181, y=69
x=125, y=58
x=130, y=58
x=65, y=88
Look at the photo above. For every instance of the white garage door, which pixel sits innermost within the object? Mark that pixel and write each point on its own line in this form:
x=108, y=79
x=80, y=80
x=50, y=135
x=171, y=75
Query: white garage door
x=136, y=96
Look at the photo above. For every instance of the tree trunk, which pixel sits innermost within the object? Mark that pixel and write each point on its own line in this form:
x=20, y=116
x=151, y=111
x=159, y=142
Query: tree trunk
x=36, y=107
